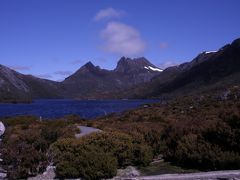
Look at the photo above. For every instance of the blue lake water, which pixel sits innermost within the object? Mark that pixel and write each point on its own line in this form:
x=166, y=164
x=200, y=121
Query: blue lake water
x=59, y=108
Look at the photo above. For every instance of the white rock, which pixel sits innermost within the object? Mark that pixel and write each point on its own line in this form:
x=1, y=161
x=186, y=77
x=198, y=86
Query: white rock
x=2, y=128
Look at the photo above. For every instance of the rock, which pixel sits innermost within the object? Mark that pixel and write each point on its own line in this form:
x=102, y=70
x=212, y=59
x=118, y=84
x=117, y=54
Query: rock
x=48, y=174
x=2, y=128
x=128, y=172
x=3, y=173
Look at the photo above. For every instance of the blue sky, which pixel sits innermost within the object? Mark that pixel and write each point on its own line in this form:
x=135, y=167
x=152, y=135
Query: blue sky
x=53, y=38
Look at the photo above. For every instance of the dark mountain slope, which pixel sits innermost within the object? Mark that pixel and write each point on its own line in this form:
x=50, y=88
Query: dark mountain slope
x=217, y=65
x=43, y=88
x=88, y=80
x=206, y=70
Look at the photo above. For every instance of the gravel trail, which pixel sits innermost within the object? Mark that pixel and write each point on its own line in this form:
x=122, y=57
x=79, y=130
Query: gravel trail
x=212, y=175
x=86, y=131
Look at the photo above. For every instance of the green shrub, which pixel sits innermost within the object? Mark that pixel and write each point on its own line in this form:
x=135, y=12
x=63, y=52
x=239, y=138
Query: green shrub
x=143, y=155
x=98, y=155
x=88, y=165
x=26, y=142
x=67, y=169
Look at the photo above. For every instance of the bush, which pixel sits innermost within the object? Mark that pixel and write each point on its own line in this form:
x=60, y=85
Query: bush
x=143, y=155
x=67, y=169
x=89, y=165
x=209, y=146
x=26, y=142
x=98, y=155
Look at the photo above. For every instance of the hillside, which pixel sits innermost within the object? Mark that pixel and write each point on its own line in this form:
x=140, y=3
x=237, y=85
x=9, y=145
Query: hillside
x=16, y=87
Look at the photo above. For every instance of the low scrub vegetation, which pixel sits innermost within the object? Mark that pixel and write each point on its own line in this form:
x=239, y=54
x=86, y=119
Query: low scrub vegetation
x=26, y=142
x=98, y=155
x=200, y=132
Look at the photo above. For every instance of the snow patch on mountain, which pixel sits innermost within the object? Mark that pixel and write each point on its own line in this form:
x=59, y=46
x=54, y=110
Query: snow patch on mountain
x=208, y=52
x=153, y=69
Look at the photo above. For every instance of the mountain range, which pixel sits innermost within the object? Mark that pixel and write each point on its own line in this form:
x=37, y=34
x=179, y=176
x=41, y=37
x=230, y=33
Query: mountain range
x=89, y=82
x=132, y=78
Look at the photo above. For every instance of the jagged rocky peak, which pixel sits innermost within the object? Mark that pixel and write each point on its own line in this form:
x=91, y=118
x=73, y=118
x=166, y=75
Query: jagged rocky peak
x=126, y=64
x=134, y=62
x=88, y=65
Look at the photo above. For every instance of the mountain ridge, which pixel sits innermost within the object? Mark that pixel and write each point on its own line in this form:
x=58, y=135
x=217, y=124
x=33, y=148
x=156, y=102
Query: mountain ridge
x=131, y=78
x=202, y=72
x=89, y=81
x=92, y=82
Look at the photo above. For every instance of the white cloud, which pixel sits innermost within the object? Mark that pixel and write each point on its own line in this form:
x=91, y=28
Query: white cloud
x=20, y=68
x=77, y=61
x=63, y=73
x=122, y=39
x=44, y=76
x=108, y=13
x=167, y=64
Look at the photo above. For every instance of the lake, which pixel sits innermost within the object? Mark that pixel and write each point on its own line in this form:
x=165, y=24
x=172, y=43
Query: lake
x=61, y=107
